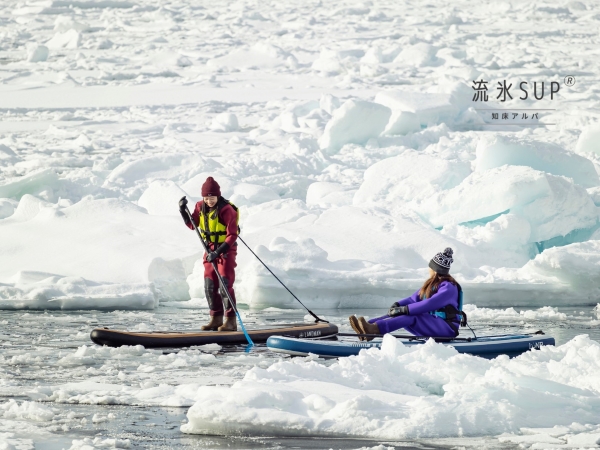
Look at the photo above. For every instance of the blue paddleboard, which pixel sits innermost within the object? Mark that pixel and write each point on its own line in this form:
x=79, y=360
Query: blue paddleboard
x=484, y=346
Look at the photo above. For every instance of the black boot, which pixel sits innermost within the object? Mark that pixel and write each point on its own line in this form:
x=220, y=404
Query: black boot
x=216, y=320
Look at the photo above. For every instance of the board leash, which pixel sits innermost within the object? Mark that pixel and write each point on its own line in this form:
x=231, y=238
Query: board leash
x=222, y=283
x=318, y=319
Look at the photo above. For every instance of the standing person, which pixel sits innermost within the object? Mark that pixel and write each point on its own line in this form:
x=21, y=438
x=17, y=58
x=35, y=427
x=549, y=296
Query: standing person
x=217, y=219
x=434, y=310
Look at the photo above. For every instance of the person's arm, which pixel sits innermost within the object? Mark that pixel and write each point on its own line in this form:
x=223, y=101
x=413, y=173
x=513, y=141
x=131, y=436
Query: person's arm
x=446, y=294
x=195, y=216
x=408, y=300
x=184, y=215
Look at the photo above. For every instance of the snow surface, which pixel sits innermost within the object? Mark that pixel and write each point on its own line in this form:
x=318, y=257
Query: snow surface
x=398, y=392
x=347, y=128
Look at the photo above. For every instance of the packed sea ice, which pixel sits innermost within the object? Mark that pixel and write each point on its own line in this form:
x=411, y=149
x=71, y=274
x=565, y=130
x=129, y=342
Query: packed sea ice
x=346, y=132
x=396, y=393
x=548, y=396
x=348, y=135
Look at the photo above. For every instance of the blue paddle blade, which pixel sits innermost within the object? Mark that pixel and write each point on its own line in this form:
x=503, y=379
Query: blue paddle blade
x=250, y=343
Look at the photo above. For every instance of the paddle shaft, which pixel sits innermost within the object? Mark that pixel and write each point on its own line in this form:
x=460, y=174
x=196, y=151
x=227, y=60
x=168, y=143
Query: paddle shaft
x=221, y=282
x=412, y=338
x=318, y=319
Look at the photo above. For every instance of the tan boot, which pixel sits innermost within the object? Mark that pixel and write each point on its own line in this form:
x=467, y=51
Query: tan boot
x=214, y=324
x=356, y=326
x=368, y=328
x=229, y=325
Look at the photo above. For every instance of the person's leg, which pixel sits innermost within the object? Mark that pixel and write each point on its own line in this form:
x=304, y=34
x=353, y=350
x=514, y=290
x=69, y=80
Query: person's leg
x=377, y=319
x=226, y=267
x=429, y=325
x=211, y=291
x=395, y=323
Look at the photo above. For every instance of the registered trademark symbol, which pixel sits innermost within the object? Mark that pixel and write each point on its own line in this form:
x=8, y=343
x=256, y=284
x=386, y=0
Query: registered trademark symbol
x=570, y=80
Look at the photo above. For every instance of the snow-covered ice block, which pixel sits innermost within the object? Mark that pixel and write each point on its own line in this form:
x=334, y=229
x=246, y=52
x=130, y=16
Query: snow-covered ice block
x=430, y=108
x=399, y=392
x=327, y=62
x=26, y=411
x=105, y=240
x=402, y=122
x=497, y=150
x=328, y=195
x=595, y=194
x=7, y=208
x=576, y=265
x=261, y=55
x=507, y=238
x=225, y=122
x=419, y=55
x=589, y=141
x=28, y=207
x=252, y=194
x=129, y=172
x=356, y=121
x=99, y=442
x=172, y=166
x=32, y=183
x=309, y=272
x=329, y=103
x=7, y=155
x=170, y=59
x=37, y=53
x=553, y=205
x=39, y=290
x=169, y=276
x=70, y=39
x=511, y=315
x=410, y=176
x=162, y=198
x=66, y=23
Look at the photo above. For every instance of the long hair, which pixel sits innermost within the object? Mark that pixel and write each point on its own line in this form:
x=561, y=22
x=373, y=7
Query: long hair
x=432, y=284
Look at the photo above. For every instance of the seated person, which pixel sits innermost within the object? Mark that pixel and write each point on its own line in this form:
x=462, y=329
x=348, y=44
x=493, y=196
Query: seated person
x=432, y=311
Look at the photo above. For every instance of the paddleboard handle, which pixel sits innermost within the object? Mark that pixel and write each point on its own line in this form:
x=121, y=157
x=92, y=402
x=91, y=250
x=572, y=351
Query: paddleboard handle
x=221, y=282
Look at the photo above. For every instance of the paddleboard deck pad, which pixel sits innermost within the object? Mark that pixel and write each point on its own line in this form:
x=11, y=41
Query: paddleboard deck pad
x=173, y=339
x=485, y=346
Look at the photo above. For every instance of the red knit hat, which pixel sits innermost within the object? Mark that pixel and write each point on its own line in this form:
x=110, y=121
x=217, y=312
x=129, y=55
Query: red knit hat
x=211, y=188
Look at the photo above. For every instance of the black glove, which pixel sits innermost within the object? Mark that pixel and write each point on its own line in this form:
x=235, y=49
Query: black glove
x=182, y=209
x=218, y=252
x=398, y=311
x=395, y=305
x=183, y=203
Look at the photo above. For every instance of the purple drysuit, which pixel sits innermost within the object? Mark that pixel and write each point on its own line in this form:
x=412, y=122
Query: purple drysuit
x=418, y=321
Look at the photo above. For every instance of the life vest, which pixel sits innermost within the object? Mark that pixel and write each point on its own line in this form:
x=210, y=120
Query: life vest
x=212, y=230
x=449, y=313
